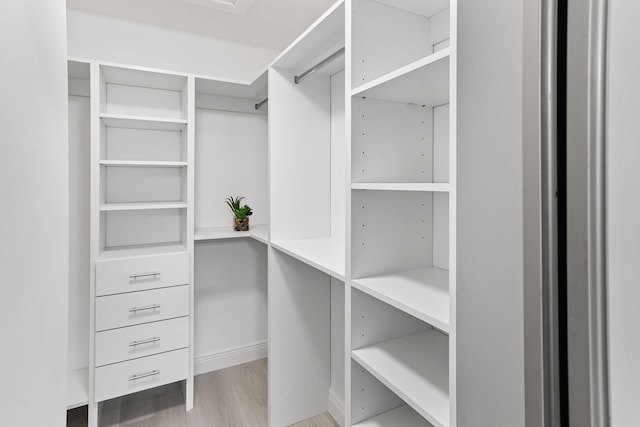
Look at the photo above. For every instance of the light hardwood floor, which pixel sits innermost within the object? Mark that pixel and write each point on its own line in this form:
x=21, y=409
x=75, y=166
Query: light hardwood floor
x=232, y=397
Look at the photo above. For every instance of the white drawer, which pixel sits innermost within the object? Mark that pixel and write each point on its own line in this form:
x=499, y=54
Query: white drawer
x=118, y=345
x=134, y=308
x=135, y=375
x=116, y=276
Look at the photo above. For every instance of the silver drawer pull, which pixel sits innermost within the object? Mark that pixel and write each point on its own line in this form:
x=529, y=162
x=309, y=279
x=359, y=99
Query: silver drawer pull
x=145, y=375
x=147, y=341
x=153, y=274
x=148, y=307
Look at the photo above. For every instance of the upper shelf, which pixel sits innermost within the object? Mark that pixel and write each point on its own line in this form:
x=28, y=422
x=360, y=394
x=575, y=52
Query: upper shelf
x=256, y=91
x=418, y=7
x=321, y=39
x=325, y=254
x=422, y=293
x=142, y=163
x=402, y=186
x=142, y=122
x=143, y=77
x=141, y=206
x=423, y=82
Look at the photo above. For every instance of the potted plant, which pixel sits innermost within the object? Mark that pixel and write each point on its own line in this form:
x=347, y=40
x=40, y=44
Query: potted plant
x=241, y=213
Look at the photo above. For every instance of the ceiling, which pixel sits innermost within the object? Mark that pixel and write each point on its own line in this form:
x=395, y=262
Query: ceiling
x=271, y=24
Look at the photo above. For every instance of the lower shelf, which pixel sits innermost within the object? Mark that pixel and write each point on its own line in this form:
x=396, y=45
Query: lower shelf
x=325, y=254
x=77, y=388
x=416, y=368
x=142, y=250
x=401, y=416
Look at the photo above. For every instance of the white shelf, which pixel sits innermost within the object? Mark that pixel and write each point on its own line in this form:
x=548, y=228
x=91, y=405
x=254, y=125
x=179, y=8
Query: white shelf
x=422, y=293
x=323, y=37
x=401, y=416
x=402, y=186
x=141, y=206
x=416, y=368
x=418, y=7
x=142, y=122
x=260, y=233
x=423, y=82
x=257, y=232
x=142, y=250
x=325, y=254
x=77, y=388
x=142, y=163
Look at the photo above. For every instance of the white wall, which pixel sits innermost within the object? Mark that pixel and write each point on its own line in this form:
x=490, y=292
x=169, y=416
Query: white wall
x=490, y=343
x=110, y=39
x=33, y=218
x=623, y=212
x=230, y=302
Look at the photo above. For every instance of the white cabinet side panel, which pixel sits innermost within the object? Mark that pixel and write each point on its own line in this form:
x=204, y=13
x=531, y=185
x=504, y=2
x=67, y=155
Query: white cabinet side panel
x=385, y=38
x=441, y=143
x=623, y=208
x=79, y=144
x=441, y=230
x=391, y=142
x=337, y=339
x=299, y=140
x=299, y=340
x=338, y=157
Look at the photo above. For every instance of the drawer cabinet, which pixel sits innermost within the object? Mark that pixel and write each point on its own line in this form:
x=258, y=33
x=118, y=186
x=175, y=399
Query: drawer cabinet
x=117, y=276
x=140, y=374
x=118, y=345
x=134, y=308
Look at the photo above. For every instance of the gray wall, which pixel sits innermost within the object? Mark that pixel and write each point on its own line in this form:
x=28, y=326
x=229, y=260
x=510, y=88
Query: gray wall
x=490, y=366
x=34, y=250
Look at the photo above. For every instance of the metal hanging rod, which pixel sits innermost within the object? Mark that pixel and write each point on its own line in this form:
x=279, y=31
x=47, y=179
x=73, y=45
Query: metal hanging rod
x=261, y=103
x=319, y=65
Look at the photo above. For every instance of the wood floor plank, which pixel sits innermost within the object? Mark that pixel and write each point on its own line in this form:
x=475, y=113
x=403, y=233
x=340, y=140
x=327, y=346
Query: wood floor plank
x=231, y=397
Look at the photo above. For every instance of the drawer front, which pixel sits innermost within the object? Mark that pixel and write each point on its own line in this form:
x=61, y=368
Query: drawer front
x=134, y=308
x=118, y=345
x=135, y=375
x=116, y=276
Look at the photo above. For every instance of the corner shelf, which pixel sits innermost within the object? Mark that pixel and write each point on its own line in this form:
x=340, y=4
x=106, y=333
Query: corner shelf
x=401, y=416
x=416, y=368
x=142, y=122
x=325, y=254
x=257, y=232
x=106, y=207
x=402, y=186
x=422, y=293
x=430, y=74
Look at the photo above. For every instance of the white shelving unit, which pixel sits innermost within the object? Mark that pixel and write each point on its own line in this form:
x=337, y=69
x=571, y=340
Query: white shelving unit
x=141, y=232
x=401, y=244
x=307, y=257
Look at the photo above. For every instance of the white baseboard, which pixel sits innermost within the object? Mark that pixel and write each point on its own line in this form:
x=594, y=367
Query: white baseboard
x=230, y=357
x=336, y=408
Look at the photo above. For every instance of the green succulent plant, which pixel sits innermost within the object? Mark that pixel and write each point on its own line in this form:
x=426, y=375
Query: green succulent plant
x=238, y=210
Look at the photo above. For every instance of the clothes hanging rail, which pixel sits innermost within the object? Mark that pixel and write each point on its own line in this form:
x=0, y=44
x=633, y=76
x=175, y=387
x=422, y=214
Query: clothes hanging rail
x=319, y=65
x=261, y=103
